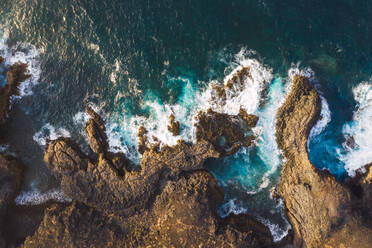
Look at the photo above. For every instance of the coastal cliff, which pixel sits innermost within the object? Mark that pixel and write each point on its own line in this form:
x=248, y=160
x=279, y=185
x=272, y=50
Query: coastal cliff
x=322, y=211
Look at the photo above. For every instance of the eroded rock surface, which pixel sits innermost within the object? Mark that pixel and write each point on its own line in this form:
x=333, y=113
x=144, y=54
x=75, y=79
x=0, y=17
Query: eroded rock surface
x=171, y=201
x=226, y=132
x=321, y=210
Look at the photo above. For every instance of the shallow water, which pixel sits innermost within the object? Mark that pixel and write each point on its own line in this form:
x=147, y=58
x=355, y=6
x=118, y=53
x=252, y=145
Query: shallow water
x=138, y=61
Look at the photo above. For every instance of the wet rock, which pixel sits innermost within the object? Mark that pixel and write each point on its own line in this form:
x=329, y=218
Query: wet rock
x=250, y=119
x=224, y=131
x=15, y=75
x=96, y=131
x=173, y=126
x=320, y=209
x=142, y=140
x=237, y=81
x=1, y=60
x=350, y=142
x=171, y=201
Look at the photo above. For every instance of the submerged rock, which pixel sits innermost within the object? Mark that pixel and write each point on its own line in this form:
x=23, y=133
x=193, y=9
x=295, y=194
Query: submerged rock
x=171, y=201
x=320, y=209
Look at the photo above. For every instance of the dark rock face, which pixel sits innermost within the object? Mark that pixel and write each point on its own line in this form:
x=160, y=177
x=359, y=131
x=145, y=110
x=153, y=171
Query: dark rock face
x=170, y=202
x=321, y=210
x=225, y=132
x=11, y=172
x=15, y=75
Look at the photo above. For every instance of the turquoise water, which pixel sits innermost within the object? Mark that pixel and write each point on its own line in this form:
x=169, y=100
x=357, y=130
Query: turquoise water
x=138, y=61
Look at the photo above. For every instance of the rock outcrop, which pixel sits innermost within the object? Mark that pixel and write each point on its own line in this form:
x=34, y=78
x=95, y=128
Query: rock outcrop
x=321, y=209
x=225, y=132
x=15, y=75
x=170, y=202
x=174, y=126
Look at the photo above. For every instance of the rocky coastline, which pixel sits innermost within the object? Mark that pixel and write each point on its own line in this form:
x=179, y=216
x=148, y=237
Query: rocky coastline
x=322, y=211
x=171, y=200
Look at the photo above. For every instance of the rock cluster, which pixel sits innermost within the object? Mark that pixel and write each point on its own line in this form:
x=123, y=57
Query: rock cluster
x=171, y=201
x=323, y=212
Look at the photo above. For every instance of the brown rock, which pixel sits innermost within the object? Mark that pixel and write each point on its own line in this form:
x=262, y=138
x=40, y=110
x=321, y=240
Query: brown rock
x=223, y=131
x=251, y=120
x=173, y=126
x=171, y=201
x=319, y=208
x=1, y=60
x=96, y=131
x=15, y=75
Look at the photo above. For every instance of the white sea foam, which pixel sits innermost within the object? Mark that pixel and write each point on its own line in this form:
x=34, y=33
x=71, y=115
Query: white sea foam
x=36, y=197
x=25, y=53
x=231, y=207
x=360, y=129
x=325, y=118
x=122, y=129
x=4, y=148
x=246, y=96
x=48, y=132
x=277, y=232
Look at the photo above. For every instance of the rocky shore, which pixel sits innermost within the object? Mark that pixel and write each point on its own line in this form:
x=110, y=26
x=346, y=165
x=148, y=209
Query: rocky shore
x=171, y=200
x=322, y=211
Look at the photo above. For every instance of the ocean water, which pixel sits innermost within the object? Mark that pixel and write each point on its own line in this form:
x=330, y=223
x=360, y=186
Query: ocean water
x=136, y=62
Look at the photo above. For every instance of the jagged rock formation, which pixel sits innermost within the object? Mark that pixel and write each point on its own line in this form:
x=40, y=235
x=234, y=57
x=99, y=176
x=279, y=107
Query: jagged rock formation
x=171, y=201
x=15, y=75
x=225, y=132
x=322, y=211
x=174, y=126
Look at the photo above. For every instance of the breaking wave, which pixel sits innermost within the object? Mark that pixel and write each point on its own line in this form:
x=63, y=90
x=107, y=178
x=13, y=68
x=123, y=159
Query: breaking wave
x=359, y=131
x=36, y=197
x=25, y=53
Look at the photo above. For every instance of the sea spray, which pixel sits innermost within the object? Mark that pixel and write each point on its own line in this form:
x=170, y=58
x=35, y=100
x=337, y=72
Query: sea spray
x=358, y=153
x=24, y=53
x=36, y=197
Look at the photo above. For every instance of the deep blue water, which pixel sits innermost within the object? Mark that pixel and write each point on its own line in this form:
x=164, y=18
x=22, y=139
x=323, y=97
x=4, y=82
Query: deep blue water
x=137, y=61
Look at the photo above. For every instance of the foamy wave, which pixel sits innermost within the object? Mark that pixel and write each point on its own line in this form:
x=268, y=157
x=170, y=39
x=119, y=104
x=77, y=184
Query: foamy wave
x=48, y=132
x=231, y=207
x=122, y=129
x=360, y=130
x=25, y=53
x=297, y=70
x=325, y=118
x=276, y=231
x=36, y=197
x=248, y=96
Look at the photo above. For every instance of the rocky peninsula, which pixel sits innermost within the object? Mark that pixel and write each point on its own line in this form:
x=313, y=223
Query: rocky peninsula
x=322, y=211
